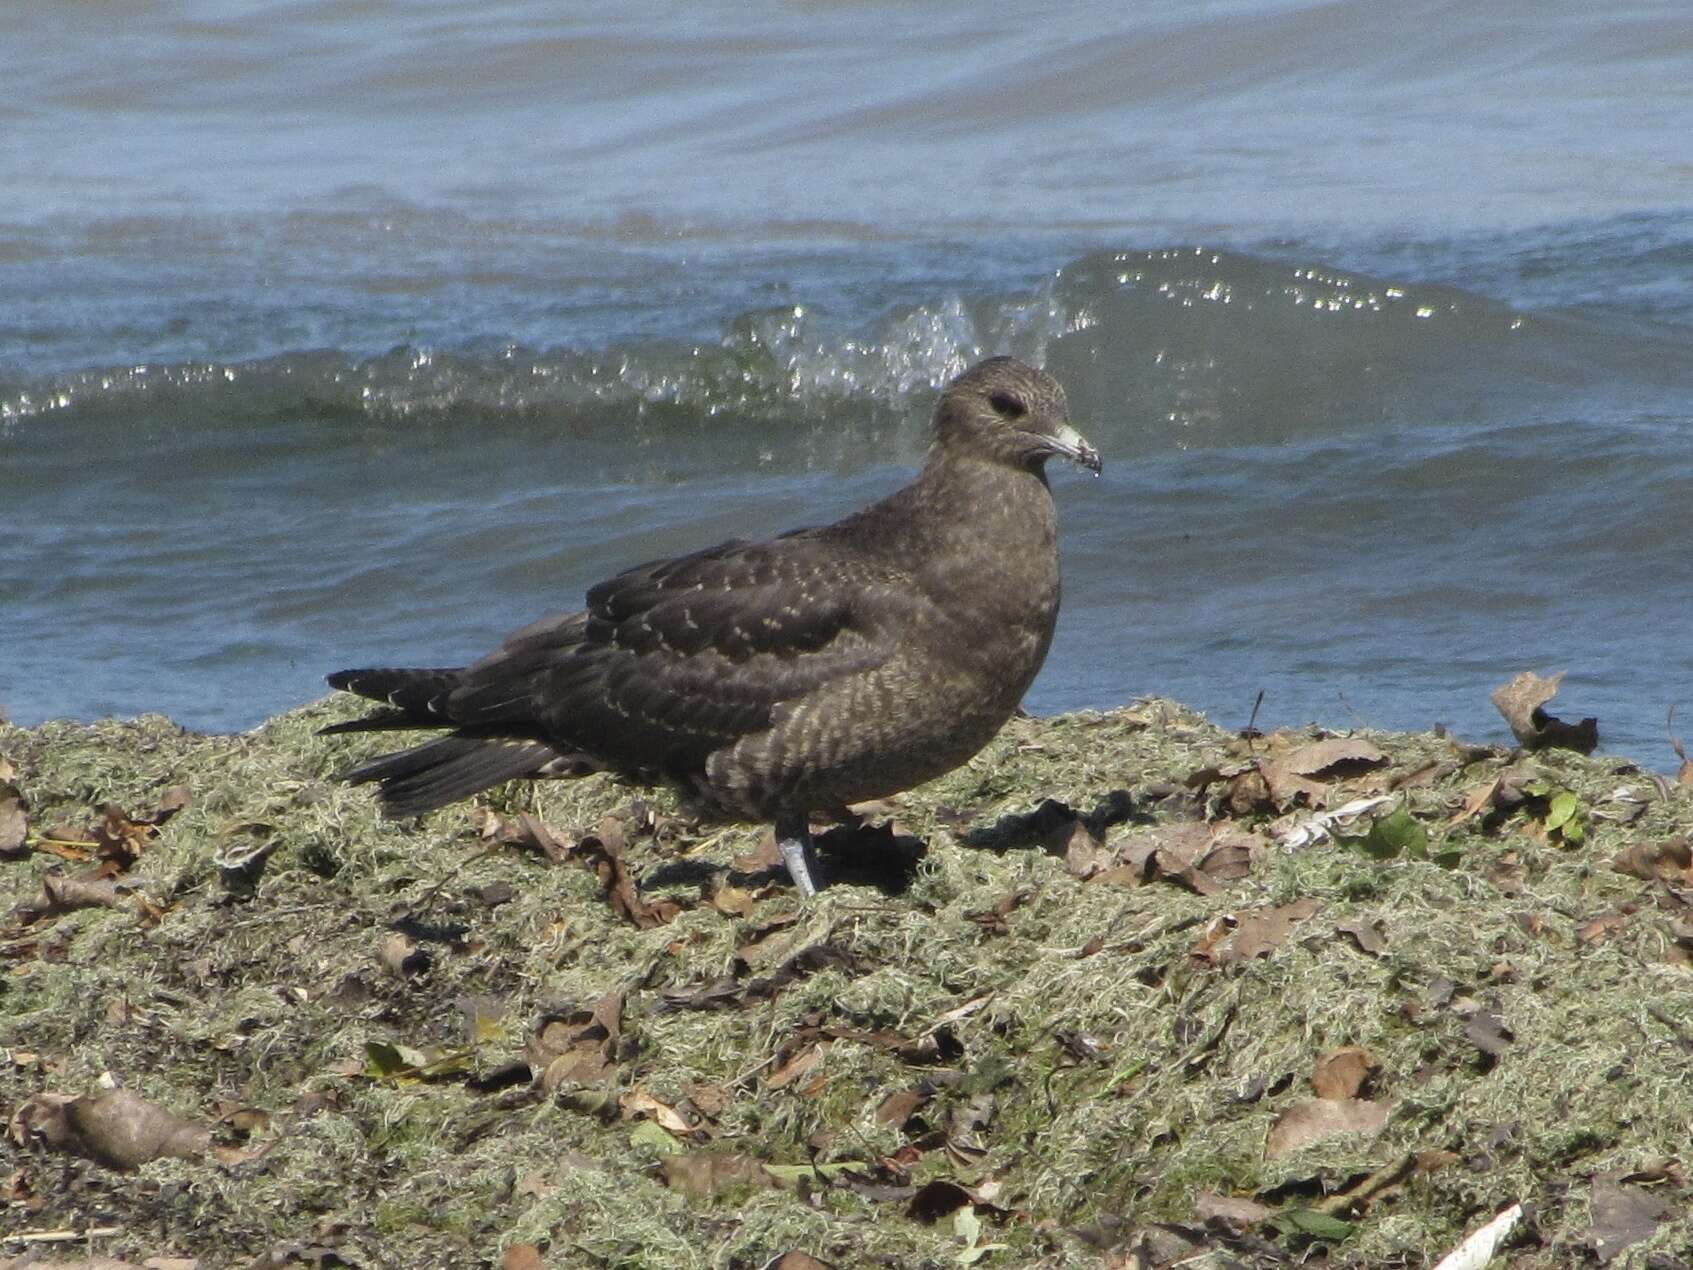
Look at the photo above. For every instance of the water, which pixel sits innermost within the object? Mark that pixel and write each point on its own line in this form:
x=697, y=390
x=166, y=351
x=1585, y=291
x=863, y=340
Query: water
x=341, y=333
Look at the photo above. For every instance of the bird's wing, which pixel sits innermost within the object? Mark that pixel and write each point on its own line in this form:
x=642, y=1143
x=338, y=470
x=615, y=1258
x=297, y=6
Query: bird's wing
x=673, y=659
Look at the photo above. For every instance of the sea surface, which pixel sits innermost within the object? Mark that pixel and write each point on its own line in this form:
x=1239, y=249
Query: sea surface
x=345, y=333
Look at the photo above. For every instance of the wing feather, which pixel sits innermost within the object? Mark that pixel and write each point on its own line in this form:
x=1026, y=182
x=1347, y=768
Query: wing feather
x=675, y=659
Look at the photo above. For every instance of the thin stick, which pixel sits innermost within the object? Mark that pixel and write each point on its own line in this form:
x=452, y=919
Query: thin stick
x=62, y=1236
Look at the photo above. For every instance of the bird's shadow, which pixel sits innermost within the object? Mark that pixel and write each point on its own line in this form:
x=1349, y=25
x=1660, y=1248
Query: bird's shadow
x=871, y=855
x=848, y=855
x=1022, y=830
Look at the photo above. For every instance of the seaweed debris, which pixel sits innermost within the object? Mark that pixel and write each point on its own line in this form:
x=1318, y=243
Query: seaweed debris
x=1126, y=989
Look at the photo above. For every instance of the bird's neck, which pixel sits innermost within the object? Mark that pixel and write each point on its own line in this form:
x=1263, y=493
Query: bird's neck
x=980, y=490
x=963, y=501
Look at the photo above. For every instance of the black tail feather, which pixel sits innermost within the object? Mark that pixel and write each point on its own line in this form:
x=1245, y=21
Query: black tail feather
x=447, y=769
x=381, y=721
x=420, y=693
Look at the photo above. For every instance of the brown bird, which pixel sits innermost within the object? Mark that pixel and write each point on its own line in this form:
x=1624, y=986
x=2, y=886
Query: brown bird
x=771, y=680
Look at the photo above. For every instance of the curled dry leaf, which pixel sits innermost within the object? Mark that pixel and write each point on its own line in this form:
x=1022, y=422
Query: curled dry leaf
x=1684, y=775
x=1203, y=858
x=400, y=956
x=1254, y=933
x=117, y=1129
x=638, y=1102
x=1318, y=1118
x=797, y=1066
x=898, y=1108
x=522, y=1257
x=1522, y=702
x=603, y=852
x=577, y=1048
x=1670, y=861
x=524, y=830
x=1371, y=937
x=14, y=820
x=1595, y=930
x=1343, y=1073
x=1305, y=770
x=797, y=1260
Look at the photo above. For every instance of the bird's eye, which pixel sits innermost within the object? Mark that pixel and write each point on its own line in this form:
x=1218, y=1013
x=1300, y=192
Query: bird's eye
x=1008, y=405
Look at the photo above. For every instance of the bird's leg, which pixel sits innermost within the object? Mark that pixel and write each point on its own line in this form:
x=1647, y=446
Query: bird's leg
x=793, y=840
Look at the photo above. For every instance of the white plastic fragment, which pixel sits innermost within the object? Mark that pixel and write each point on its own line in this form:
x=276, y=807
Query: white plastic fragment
x=1478, y=1249
x=1316, y=828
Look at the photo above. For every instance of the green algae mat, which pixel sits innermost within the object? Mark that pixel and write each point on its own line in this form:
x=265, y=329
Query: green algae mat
x=1125, y=990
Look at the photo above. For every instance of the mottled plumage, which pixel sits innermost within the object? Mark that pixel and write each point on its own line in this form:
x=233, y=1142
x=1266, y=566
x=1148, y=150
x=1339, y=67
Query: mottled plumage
x=770, y=680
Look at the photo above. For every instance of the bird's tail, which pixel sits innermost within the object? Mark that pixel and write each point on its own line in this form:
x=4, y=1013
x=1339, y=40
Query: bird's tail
x=449, y=768
x=417, y=698
x=446, y=769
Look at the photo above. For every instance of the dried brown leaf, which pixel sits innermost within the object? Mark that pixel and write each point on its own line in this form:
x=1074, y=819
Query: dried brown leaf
x=1318, y=1118
x=797, y=1260
x=733, y=901
x=702, y=1175
x=90, y=889
x=1478, y=800
x=400, y=956
x=1369, y=936
x=577, y=1048
x=760, y=945
x=1488, y=1032
x=800, y=1064
x=523, y=830
x=1248, y=793
x=67, y=894
x=1342, y=1073
x=117, y=1129
x=898, y=1108
x=1083, y=854
x=1596, y=930
x=14, y=820
x=638, y=1102
x=1209, y=1206
x=1623, y=1215
x=1203, y=858
x=603, y=851
x=1522, y=702
x=1430, y=773
x=763, y=858
x=710, y=1100
x=1670, y=861
x=1255, y=933
x=522, y=1257
x=1301, y=772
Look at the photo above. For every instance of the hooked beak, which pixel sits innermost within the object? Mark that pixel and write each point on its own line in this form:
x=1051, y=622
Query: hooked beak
x=1074, y=446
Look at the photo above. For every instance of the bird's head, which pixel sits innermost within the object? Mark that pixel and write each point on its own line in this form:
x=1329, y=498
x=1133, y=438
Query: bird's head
x=1009, y=411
